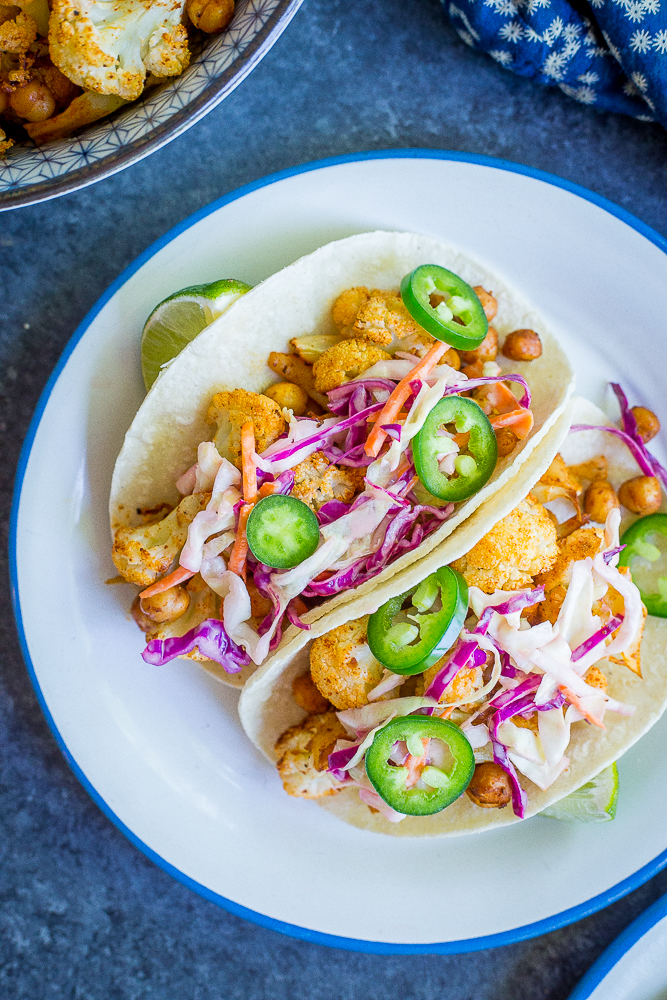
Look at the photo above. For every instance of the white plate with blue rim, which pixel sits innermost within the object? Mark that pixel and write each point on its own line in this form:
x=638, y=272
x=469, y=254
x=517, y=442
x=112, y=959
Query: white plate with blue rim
x=160, y=749
x=634, y=966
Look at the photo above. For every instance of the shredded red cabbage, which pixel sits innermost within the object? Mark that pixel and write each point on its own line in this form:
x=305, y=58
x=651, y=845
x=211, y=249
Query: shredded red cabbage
x=332, y=510
x=340, y=758
x=517, y=707
x=596, y=638
x=630, y=427
x=324, y=435
x=515, y=603
x=393, y=430
x=501, y=757
x=293, y=617
x=641, y=456
x=608, y=556
x=531, y=684
x=339, y=398
x=211, y=640
x=462, y=656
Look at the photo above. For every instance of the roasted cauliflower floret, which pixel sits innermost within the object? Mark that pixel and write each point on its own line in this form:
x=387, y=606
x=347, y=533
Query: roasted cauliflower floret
x=383, y=318
x=345, y=361
x=18, y=33
x=110, y=45
x=343, y=667
x=303, y=753
x=317, y=480
x=143, y=554
x=581, y=544
x=5, y=143
x=347, y=305
x=509, y=556
x=230, y=410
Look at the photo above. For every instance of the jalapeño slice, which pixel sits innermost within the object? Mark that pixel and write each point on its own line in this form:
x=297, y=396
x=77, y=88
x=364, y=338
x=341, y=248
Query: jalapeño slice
x=445, y=764
x=471, y=471
x=392, y=642
x=445, y=305
x=650, y=572
x=282, y=531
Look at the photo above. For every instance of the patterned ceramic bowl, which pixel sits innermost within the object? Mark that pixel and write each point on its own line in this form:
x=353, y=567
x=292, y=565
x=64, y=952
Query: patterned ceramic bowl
x=29, y=174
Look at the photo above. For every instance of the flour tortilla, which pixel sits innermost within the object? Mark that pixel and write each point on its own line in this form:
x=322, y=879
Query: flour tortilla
x=267, y=708
x=232, y=353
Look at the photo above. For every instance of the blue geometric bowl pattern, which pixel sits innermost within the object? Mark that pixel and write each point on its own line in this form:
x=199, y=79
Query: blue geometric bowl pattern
x=29, y=174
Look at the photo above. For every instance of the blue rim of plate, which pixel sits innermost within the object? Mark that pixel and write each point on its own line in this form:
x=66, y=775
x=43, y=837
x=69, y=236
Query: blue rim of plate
x=293, y=930
x=618, y=948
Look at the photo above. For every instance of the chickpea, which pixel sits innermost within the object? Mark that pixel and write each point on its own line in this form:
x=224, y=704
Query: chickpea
x=307, y=695
x=289, y=395
x=451, y=358
x=486, y=351
x=167, y=606
x=489, y=304
x=507, y=441
x=210, y=16
x=34, y=102
x=641, y=495
x=142, y=620
x=522, y=345
x=474, y=370
x=490, y=787
x=599, y=499
x=648, y=424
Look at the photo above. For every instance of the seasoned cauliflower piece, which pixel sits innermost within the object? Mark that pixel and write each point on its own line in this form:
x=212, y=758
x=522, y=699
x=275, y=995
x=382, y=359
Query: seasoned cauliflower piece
x=17, y=34
x=347, y=305
x=204, y=603
x=317, y=480
x=307, y=696
x=518, y=547
x=5, y=143
x=581, y=544
x=343, y=667
x=110, y=45
x=230, y=410
x=345, y=361
x=142, y=555
x=303, y=751
x=383, y=318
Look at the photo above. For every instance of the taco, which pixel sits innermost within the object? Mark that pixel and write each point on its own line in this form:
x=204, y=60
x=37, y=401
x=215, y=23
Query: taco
x=317, y=439
x=491, y=679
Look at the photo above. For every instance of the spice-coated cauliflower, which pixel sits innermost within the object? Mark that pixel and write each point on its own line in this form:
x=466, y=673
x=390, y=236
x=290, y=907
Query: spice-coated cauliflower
x=143, y=554
x=513, y=552
x=345, y=361
x=230, y=410
x=317, y=480
x=16, y=33
x=110, y=45
x=303, y=753
x=343, y=667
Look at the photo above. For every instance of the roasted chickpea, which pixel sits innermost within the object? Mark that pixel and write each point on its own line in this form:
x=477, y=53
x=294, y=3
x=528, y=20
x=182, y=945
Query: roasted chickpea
x=489, y=304
x=34, y=102
x=167, y=606
x=648, y=424
x=486, y=351
x=307, y=696
x=599, y=499
x=291, y=396
x=522, y=345
x=63, y=90
x=474, y=370
x=490, y=787
x=142, y=620
x=451, y=358
x=641, y=495
x=507, y=441
x=210, y=16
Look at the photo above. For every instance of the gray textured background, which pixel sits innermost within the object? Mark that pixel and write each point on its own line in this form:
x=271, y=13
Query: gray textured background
x=83, y=915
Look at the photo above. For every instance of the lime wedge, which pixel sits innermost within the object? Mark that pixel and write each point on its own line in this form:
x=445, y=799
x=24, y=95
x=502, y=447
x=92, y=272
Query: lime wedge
x=182, y=317
x=594, y=802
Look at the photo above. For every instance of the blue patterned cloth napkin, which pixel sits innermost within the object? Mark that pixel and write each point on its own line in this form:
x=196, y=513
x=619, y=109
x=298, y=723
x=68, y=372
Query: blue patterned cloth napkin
x=611, y=54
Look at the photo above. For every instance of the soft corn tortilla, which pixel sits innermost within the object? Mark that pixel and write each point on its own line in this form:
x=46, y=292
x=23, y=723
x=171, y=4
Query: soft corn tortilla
x=232, y=353
x=267, y=707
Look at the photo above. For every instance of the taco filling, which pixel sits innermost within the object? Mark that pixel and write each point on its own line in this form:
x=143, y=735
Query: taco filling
x=477, y=677
x=315, y=486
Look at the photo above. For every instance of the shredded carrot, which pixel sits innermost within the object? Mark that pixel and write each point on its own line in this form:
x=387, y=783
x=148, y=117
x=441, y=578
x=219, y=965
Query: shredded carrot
x=399, y=396
x=521, y=422
x=461, y=440
x=498, y=397
x=267, y=490
x=410, y=486
x=446, y=712
x=398, y=419
x=179, y=575
x=240, y=548
x=576, y=701
x=415, y=765
x=247, y=466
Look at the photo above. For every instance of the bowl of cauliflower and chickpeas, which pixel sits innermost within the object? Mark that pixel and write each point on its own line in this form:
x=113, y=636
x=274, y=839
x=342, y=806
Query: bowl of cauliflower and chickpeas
x=89, y=86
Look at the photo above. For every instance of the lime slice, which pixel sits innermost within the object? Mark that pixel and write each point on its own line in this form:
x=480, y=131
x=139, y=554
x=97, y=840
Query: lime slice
x=594, y=802
x=182, y=317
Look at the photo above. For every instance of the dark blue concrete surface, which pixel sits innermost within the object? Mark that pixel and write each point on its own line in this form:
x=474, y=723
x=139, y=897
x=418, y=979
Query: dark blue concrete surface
x=83, y=915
